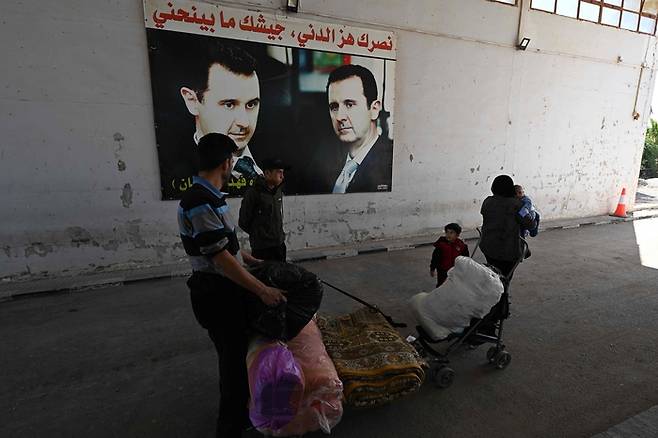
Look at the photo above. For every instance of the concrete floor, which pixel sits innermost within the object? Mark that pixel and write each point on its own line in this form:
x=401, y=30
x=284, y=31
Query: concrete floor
x=647, y=194
x=130, y=361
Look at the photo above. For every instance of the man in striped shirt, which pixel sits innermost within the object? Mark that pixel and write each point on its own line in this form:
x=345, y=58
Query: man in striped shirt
x=219, y=283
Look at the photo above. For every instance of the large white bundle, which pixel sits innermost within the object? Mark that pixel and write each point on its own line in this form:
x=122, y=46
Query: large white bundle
x=470, y=291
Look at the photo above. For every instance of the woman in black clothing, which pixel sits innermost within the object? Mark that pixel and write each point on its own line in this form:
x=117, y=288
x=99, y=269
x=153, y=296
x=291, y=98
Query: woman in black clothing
x=501, y=225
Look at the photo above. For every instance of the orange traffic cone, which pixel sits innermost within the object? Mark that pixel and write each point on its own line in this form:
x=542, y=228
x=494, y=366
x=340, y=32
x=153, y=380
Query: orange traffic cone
x=621, y=205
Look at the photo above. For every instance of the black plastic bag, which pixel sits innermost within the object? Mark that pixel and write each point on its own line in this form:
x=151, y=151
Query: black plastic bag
x=303, y=293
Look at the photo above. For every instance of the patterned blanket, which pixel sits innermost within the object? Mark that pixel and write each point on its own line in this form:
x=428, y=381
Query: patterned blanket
x=374, y=362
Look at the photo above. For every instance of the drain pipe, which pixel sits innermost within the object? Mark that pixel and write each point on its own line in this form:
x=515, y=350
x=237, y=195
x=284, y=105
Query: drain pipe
x=644, y=65
x=519, y=29
x=636, y=115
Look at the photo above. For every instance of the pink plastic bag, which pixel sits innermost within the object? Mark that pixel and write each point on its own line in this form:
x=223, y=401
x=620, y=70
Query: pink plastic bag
x=276, y=384
x=321, y=407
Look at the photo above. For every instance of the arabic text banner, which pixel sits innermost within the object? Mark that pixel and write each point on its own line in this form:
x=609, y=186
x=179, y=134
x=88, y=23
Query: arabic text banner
x=211, y=19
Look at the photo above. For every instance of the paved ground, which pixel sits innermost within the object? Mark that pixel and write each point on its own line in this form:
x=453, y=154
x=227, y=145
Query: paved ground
x=643, y=425
x=129, y=361
x=647, y=194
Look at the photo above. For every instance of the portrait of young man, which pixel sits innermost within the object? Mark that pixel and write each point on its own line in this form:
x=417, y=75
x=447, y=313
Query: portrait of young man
x=222, y=93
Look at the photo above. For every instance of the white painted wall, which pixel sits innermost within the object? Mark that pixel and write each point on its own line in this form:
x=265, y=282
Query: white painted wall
x=75, y=101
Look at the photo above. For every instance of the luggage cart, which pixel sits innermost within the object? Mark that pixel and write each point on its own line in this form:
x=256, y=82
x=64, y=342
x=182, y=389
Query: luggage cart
x=480, y=331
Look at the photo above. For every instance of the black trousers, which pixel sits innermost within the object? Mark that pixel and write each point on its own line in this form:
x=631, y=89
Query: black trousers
x=275, y=253
x=504, y=266
x=220, y=307
x=441, y=277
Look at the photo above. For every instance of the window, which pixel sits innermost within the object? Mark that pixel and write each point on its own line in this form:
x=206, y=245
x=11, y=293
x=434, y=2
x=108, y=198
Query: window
x=568, y=8
x=636, y=15
x=507, y=2
x=544, y=5
x=589, y=12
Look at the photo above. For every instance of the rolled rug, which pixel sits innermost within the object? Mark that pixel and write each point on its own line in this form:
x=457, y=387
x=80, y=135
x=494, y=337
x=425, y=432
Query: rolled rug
x=375, y=364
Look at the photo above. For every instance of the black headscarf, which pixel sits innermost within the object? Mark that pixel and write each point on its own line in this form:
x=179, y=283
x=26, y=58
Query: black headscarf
x=503, y=186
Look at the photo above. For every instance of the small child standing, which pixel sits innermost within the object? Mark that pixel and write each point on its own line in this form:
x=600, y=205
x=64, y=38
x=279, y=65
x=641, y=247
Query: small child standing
x=446, y=250
x=527, y=210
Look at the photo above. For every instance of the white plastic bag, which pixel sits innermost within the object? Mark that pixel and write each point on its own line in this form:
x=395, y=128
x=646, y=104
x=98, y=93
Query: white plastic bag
x=470, y=291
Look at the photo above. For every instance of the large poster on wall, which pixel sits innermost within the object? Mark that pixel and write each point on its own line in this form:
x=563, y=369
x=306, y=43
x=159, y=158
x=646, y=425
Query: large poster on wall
x=318, y=96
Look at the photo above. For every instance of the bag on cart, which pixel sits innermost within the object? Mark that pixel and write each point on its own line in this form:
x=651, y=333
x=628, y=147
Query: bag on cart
x=303, y=294
x=321, y=406
x=276, y=384
x=470, y=292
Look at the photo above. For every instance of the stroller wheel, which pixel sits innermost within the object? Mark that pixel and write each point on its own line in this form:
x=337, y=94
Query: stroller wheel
x=442, y=376
x=502, y=359
x=491, y=354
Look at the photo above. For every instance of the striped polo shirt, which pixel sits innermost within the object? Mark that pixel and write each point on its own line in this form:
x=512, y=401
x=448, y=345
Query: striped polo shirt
x=206, y=226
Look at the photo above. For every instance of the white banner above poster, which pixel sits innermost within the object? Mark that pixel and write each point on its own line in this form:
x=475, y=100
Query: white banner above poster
x=216, y=20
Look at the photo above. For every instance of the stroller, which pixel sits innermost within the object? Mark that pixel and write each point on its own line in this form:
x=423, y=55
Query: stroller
x=488, y=329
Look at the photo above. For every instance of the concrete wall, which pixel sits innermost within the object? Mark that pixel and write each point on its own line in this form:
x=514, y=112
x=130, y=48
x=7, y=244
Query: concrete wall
x=79, y=181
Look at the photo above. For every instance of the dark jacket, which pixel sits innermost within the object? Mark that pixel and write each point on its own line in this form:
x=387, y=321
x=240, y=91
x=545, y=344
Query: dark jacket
x=501, y=228
x=374, y=173
x=445, y=253
x=261, y=215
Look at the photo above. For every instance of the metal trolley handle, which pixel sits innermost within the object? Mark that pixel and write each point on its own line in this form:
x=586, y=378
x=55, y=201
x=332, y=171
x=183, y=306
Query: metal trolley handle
x=368, y=305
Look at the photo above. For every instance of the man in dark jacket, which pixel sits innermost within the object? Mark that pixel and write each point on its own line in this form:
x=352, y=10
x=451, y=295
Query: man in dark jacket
x=261, y=213
x=446, y=250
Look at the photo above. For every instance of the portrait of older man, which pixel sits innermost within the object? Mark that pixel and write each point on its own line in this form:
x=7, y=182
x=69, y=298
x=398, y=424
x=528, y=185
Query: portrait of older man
x=354, y=109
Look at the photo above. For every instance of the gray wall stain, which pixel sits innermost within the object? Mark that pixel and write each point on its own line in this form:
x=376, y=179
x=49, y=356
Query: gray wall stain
x=111, y=245
x=135, y=234
x=127, y=196
x=38, y=248
x=119, y=138
x=80, y=236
